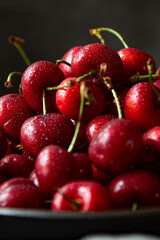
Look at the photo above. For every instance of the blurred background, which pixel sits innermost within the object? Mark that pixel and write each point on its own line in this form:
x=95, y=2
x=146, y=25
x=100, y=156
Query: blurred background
x=50, y=28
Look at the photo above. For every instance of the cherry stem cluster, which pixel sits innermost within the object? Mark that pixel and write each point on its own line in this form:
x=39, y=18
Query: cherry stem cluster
x=17, y=42
x=97, y=32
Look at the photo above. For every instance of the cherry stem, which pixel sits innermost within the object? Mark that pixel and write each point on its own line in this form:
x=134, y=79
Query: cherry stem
x=97, y=32
x=62, y=61
x=17, y=42
x=136, y=78
x=44, y=102
x=82, y=89
x=76, y=204
x=134, y=206
x=8, y=83
x=72, y=82
x=108, y=83
x=150, y=67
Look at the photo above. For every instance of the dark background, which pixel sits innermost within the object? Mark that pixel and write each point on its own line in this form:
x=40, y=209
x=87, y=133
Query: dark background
x=50, y=28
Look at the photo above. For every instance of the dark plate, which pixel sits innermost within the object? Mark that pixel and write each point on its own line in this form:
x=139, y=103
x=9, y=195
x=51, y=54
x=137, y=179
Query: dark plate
x=44, y=224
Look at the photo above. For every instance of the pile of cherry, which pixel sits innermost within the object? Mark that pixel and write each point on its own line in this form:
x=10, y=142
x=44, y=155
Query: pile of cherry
x=83, y=134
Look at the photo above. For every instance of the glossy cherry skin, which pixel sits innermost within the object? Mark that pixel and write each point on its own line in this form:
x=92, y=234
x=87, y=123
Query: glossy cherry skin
x=91, y=56
x=53, y=168
x=20, y=193
x=68, y=56
x=135, y=61
x=116, y=146
x=151, y=150
x=15, y=165
x=140, y=186
x=14, y=110
x=96, y=124
x=141, y=106
x=3, y=145
x=81, y=168
x=91, y=195
x=68, y=100
x=42, y=130
x=37, y=77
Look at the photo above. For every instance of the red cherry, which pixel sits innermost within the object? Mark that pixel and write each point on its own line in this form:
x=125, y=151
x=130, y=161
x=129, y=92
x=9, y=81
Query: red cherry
x=53, y=168
x=114, y=149
x=15, y=165
x=141, y=106
x=68, y=58
x=87, y=196
x=135, y=61
x=14, y=110
x=95, y=125
x=151, y=152
x=37, y=77
x=92, y=56
x=140, y=186
x=82, y=168
x=68, y=100
x=42, y=130
x=20, y=193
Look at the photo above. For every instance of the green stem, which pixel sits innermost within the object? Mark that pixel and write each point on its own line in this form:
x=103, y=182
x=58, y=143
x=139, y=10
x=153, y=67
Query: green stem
x=97, y=32
x=91, y=73
x=76, y=204
x=117, y=103
x=62, y=61
x=136, y=78
x=72, y=82
x=8, y=83
x=108, y=83
x=134, y=206
x=44, y=102
x=71, y=146
x=16, y=41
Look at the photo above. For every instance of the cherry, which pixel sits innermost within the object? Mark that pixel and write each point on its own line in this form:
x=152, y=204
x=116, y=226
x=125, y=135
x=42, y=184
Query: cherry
x=42, y=130
x=115, y=147
x=20, y=193
x=142, y=107
x=68, y=100
x=15, y=165
x=95, y=125
x=151, y=152
x=91, y=56
x=68, y=56
x=35, y=79
x=82, y=168
x=141, y=187
x=82, y=196
x=4, y=144
x=135, y=61
x=14, y=110
x=53, y=168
